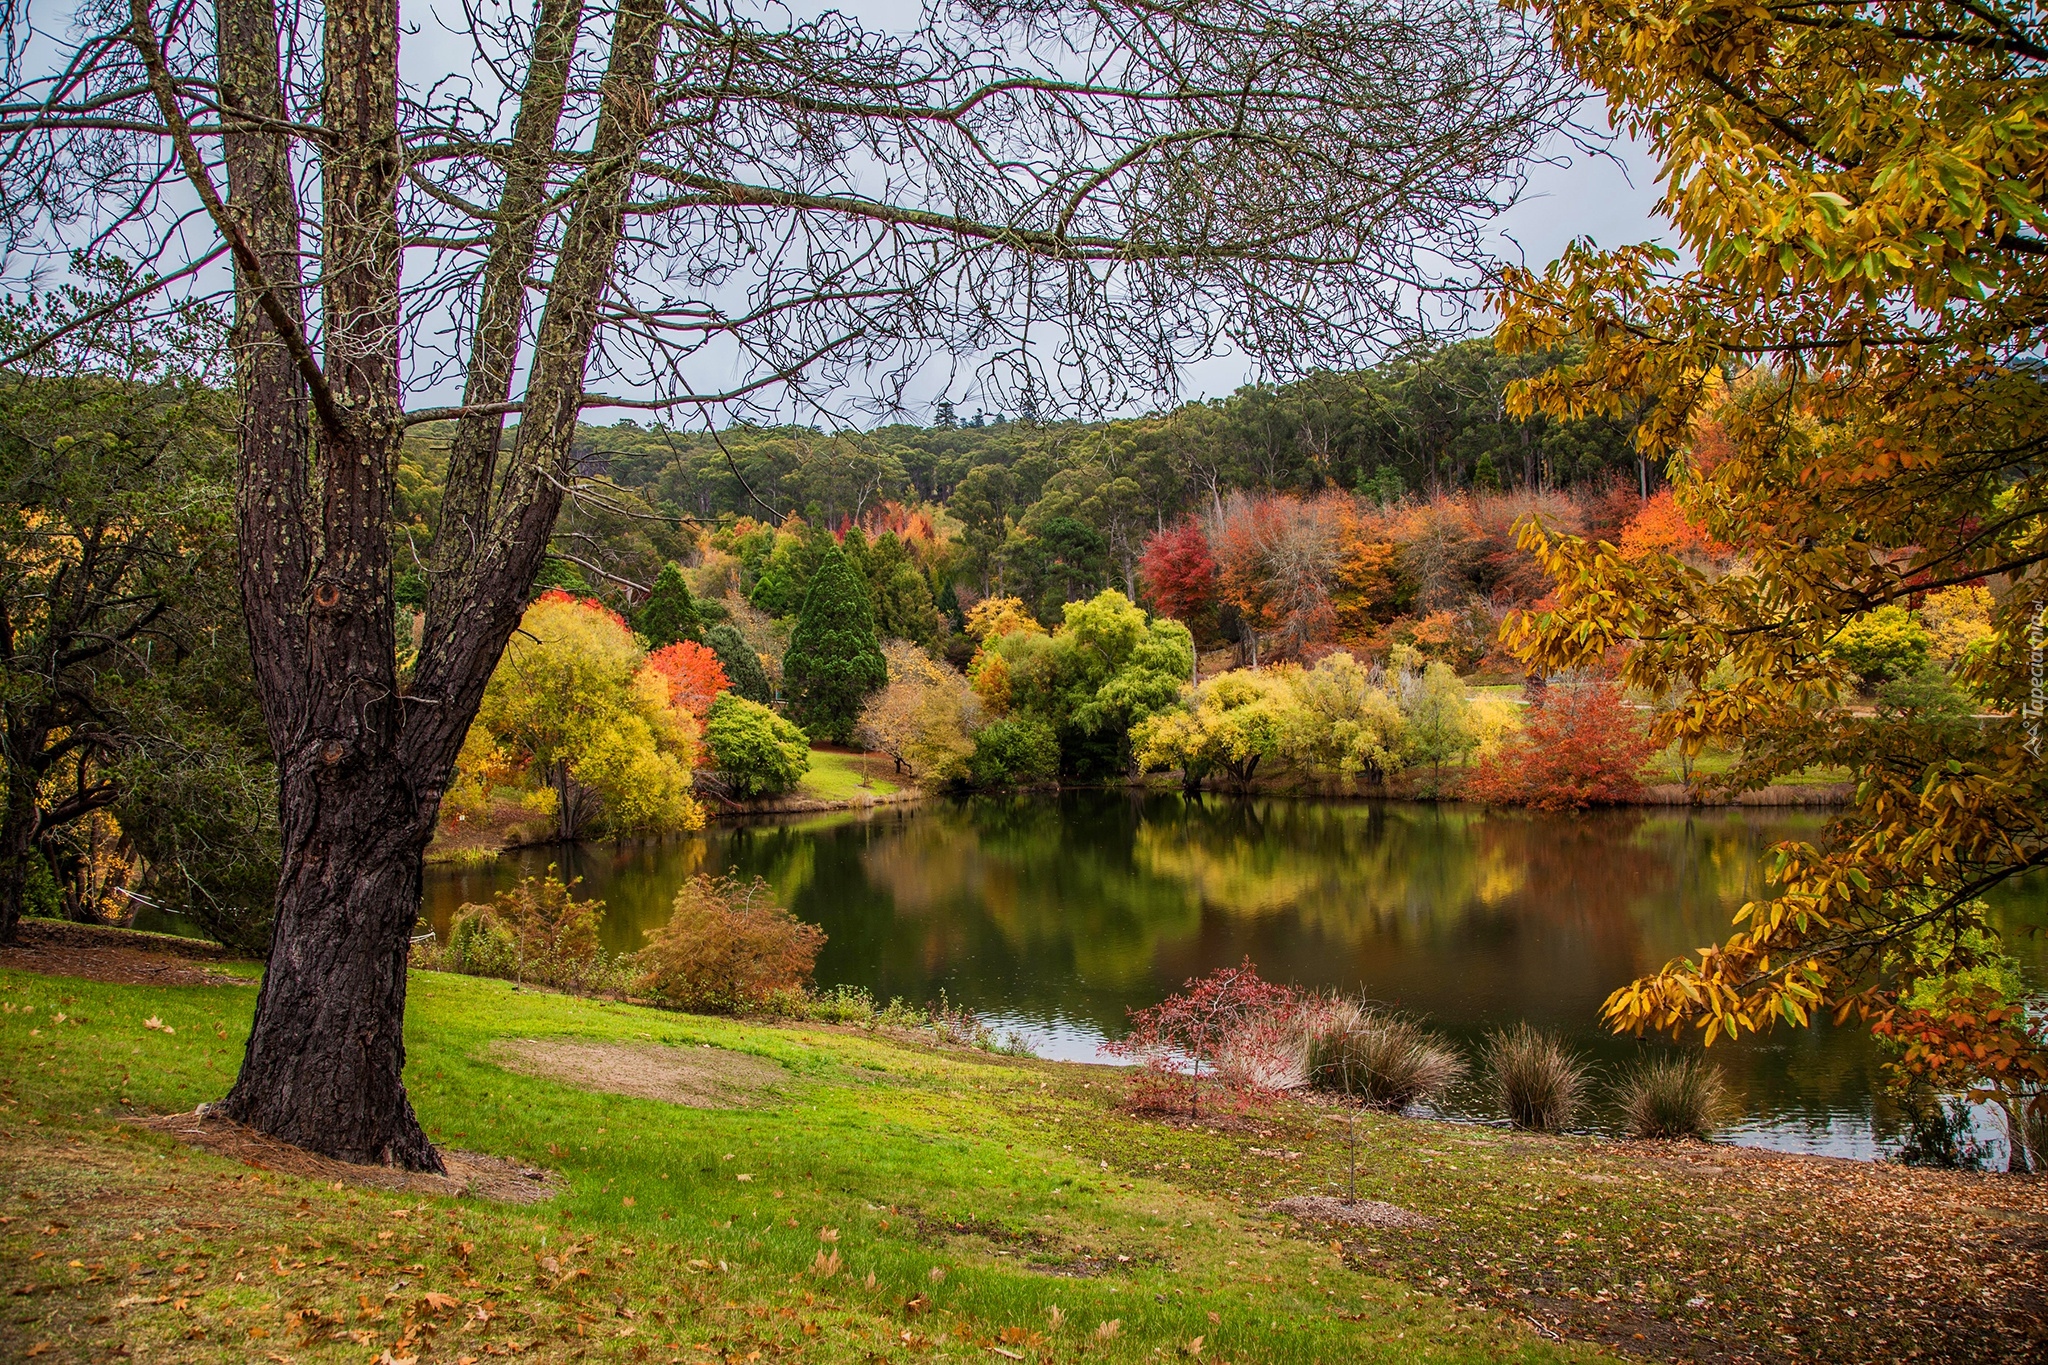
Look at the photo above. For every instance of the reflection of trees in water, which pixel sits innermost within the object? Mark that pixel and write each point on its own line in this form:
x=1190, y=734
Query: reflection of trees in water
x=1717, y=864
x=1034, y=898
x=636, y=880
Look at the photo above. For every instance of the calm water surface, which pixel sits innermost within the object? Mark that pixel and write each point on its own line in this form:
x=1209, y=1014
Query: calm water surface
x=1053, y=916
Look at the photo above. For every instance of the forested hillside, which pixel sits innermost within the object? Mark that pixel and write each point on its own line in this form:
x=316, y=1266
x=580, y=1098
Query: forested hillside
x=991, y=504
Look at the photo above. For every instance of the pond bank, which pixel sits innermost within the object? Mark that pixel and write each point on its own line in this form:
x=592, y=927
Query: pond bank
x=1052, y=915
x=881, y=1198
x=1416, y=788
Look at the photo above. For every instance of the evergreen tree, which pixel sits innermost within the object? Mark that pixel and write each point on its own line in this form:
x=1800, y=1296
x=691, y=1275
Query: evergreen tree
x=901, y=598
x=670, y=613
x=833, y=661
x=742, y=665
x=949, y=607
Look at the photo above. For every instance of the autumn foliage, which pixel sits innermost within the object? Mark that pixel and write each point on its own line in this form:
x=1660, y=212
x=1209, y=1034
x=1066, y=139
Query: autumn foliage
x=1581, y=746
x=1179, y=572
x=727, y=946
x=693, y=673
x=1662, y=527
x=1285, y=576
x=1189, y=1037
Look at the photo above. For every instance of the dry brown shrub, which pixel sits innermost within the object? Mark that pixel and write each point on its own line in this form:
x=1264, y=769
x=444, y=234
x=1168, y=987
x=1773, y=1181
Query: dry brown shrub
x=728, y=946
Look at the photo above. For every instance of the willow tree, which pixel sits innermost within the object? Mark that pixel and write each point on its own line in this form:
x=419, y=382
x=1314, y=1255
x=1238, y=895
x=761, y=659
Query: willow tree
x=678, y=205
x=1846, y=380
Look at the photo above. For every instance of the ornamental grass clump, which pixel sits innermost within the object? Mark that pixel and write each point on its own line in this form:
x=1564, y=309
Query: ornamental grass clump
x=1672, y=1097
x=1538, y=1082
x=1378, y=1058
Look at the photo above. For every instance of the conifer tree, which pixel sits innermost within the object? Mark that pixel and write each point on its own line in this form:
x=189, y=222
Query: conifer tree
x=834, y=661
x=742, y=665
x=670, y=613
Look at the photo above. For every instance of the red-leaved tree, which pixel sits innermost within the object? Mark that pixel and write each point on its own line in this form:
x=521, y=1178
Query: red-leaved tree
x=1229, y=1010
x=1179, y=571
x=1277, y=558
x=693, y=673
x=1581, y=746
x=1662, y=527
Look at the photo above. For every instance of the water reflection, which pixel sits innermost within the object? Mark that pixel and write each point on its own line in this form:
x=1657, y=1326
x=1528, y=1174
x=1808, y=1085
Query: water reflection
x=1057, y=915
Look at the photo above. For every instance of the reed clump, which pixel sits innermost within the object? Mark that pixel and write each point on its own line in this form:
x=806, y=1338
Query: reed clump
x=1381, y=1059
x=1539, y=1083
x=1672, y=1097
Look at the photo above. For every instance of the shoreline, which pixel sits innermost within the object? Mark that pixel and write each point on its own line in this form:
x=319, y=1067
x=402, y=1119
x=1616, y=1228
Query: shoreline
x=1664, y=795
x=1827, y=795
x=110, y=953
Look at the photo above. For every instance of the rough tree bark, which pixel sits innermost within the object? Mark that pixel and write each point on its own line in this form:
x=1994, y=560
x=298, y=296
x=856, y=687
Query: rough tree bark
x=362, y=764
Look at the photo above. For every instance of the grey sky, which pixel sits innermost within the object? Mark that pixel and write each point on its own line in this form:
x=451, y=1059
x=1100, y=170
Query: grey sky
x=1608, y=199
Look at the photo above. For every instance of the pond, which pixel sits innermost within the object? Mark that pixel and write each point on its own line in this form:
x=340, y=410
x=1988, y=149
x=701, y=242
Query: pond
x=1051, y=916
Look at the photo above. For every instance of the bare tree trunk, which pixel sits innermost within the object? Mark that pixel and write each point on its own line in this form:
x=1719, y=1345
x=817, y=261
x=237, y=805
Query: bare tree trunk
x=17, y=845
x=362, y=766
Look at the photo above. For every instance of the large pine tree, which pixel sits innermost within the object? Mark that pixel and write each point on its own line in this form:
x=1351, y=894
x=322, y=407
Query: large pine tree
x=670, y=613
x=833, y=661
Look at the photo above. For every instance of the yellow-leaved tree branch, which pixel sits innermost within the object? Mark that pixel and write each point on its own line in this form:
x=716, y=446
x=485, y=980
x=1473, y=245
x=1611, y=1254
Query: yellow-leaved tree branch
x=1842, y=372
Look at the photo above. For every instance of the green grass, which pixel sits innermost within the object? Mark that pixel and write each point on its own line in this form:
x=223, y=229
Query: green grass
x=984, y=1169
x=836, y=777
x=1714, y=762
x=970, y=1196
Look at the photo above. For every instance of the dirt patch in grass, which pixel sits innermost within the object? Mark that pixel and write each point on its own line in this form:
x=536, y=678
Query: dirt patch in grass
x=701, y=1077
x=1033, y=1249
x=121, y=957
x=1365, y=1213
x=470, y=1174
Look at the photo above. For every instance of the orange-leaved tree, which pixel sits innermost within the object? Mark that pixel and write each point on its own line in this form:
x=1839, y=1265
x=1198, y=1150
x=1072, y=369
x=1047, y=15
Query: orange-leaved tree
x=693, y=673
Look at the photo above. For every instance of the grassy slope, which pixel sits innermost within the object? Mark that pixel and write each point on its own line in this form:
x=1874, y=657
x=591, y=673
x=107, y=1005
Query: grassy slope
x=994, y=1171
x=836, y=777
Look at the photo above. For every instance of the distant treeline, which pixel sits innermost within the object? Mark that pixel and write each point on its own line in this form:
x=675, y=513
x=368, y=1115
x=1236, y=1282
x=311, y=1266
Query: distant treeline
x=1086, y=495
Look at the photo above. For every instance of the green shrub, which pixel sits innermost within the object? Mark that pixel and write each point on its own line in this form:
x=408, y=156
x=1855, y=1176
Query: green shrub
x=479, y=944
x=1939, y=1133
x=1884, y=644
x=727, y=946
x=758, y=752
x=537, y=931
x=40, y=893
x=1020, y=751
x=1672, y=1097
x=1380, y=1059
x=1537, y=1081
